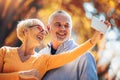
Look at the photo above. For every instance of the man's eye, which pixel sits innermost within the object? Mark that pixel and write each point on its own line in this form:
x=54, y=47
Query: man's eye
x=66, y=26
x=57, y=24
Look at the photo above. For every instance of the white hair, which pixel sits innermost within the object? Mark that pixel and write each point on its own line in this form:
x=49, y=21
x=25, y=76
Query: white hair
x=26, y=24
x=59, y=12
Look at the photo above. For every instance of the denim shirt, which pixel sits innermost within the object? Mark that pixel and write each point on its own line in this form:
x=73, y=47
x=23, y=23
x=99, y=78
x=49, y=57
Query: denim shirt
x=83, y=68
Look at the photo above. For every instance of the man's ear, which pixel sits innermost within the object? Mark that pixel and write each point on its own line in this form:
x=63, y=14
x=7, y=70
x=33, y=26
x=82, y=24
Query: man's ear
x=48, y=28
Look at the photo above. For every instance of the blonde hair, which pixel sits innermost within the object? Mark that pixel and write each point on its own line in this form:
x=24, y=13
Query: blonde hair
x=26, y=24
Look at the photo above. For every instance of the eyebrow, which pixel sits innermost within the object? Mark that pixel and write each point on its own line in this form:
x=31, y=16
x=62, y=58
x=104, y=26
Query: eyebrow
x=57, y=22
x=33, y=26
x=65, y=23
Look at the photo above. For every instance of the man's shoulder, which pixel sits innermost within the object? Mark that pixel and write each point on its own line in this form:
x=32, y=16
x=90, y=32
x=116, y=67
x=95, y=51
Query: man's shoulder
x=71, y=42
x=88, y=55
x=45, y=50
x=87, y=58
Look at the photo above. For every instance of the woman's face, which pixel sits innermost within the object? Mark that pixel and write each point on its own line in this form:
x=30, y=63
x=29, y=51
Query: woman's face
x=36, y=34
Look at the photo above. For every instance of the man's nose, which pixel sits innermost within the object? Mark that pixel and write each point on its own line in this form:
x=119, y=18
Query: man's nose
x=62, y=27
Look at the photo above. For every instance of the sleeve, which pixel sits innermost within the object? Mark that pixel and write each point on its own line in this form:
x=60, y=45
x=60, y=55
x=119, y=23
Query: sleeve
x=87, y=67
x=2, y=52
x=9, y=76
x=58, y=60
x=6, y=76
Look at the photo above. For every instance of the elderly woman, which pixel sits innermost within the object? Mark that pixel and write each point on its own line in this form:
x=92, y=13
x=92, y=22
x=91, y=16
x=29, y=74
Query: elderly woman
x=21, y=62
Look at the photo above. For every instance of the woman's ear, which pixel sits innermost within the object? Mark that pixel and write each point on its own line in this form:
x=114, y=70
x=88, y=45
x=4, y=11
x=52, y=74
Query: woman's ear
x=25, y=31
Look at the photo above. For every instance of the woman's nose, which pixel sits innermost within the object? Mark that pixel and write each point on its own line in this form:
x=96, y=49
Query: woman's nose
x=44, y=32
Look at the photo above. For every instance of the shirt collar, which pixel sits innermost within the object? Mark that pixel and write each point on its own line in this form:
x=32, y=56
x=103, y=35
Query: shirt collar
x=64, y=44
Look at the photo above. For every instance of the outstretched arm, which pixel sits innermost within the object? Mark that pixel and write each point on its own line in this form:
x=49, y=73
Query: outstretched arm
x=55, y=61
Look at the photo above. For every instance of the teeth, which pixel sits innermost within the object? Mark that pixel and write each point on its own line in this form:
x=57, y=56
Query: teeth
x=62, y=33
x=40, y=37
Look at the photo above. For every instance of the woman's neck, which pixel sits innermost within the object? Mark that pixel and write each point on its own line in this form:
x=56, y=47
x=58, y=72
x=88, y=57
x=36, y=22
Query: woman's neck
x=25, y=50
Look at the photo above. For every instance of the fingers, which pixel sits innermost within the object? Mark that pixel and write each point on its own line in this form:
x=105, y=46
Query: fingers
x=28, y=77
x=107, y=23
x=30, y=74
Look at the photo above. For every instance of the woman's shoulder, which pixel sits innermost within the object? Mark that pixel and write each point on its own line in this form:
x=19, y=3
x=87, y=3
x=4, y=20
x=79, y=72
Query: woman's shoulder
x=8, y=49
x=43, y=55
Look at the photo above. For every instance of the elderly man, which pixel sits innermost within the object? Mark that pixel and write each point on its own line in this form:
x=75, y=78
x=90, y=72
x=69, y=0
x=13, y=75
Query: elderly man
x=84, y=67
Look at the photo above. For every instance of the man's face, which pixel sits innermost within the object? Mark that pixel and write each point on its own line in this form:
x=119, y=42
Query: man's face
x=60, y=28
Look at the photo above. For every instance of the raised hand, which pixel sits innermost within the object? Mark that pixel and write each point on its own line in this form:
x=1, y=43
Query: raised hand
x=98, y=35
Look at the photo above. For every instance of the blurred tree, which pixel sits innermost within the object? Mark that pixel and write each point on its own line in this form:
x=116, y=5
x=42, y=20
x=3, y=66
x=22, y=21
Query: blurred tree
x=13, y=11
